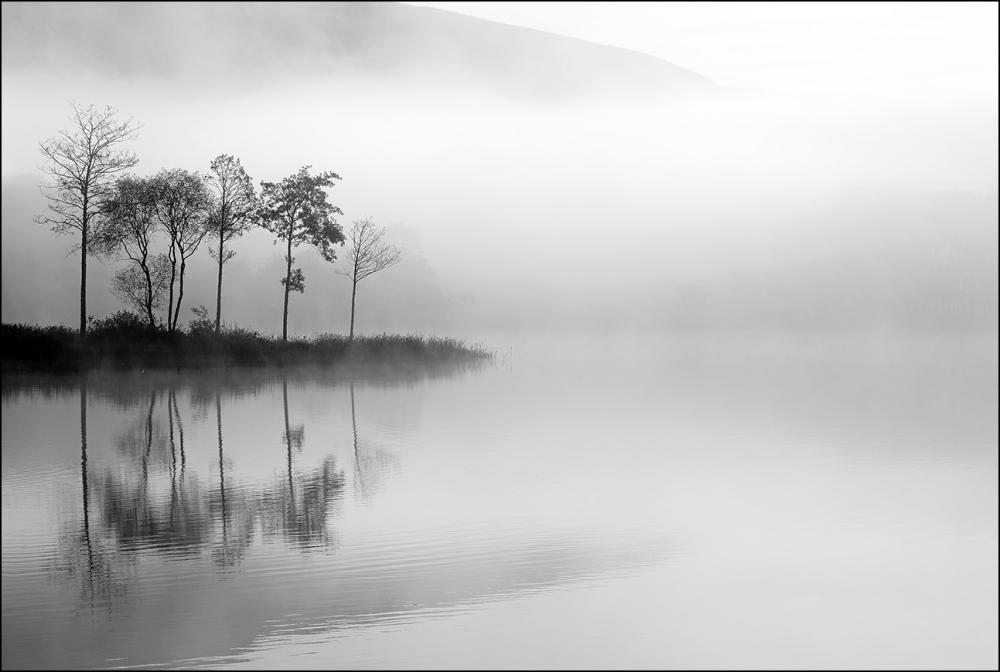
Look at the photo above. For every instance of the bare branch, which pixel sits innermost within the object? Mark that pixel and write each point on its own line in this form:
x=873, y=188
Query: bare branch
x=368, y=253
x=79, y=163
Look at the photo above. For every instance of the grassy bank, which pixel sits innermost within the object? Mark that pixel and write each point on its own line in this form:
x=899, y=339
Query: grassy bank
x=121, y=344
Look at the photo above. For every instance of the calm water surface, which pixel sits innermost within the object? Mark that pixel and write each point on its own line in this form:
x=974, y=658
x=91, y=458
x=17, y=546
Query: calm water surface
x=652, y=502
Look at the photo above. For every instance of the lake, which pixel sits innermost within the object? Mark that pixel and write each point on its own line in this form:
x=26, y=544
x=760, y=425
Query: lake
x=747, y=500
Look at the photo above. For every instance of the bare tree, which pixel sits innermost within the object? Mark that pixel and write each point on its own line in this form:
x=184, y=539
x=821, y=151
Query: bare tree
x=80, y=165
x=183, y=204
x=367, y=254
x=297, y=210
x=235, y=212
x=130, y=226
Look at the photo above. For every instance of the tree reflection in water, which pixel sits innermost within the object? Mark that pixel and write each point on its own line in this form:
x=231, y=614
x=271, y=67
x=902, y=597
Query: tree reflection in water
x=371, y=461
x=130, y=509
x=300, y=509
x=85, y=555
x=233, y=511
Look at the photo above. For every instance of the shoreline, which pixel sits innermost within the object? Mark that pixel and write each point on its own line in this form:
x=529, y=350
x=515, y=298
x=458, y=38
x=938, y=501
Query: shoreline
x=56, y=349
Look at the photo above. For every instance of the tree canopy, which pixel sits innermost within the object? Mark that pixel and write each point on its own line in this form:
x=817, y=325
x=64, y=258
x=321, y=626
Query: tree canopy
x=298, y=210
x=236, y=209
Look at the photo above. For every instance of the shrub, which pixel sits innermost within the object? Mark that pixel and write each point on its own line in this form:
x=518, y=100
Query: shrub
x=203, y=324
x=124, y=323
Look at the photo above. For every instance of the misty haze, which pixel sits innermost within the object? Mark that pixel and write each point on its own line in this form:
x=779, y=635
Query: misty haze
x=479, y=335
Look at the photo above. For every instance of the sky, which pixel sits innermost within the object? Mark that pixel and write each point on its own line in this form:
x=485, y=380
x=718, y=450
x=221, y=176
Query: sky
x=789, y=47
x=532, y=179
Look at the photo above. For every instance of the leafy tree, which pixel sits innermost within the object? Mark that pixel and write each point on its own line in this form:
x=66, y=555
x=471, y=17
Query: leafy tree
x=236, y=210
x=298, y=211
x=130, y=226
x=143, y=289
x=183, y=204
x=80, y=167
x=368, y=254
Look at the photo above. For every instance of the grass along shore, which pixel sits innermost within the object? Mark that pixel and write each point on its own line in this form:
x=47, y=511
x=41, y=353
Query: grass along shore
x=121, y=343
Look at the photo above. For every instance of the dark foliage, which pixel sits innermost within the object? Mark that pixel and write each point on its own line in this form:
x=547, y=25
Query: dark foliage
x=124, y=323
x=124, y=341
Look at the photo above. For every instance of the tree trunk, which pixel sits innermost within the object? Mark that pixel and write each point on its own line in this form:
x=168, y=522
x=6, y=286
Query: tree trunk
x=354, y=292
x=173, y=276
x=218, y=295
x=180, y=293
x=149, y=295
x=288, y=279
x=83, y=271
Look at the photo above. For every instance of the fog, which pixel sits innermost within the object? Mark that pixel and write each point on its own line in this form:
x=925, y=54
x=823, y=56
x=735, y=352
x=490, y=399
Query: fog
x=531, y=181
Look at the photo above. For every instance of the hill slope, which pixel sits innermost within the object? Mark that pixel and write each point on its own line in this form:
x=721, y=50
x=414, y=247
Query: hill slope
x=224, y=45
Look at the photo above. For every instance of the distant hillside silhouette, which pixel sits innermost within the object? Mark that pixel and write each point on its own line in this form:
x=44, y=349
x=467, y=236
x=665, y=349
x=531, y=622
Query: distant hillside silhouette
x=243, y=45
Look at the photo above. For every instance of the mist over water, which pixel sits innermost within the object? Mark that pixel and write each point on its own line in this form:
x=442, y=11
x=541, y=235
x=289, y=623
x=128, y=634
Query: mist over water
x=634, y=507
x=742, y=408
